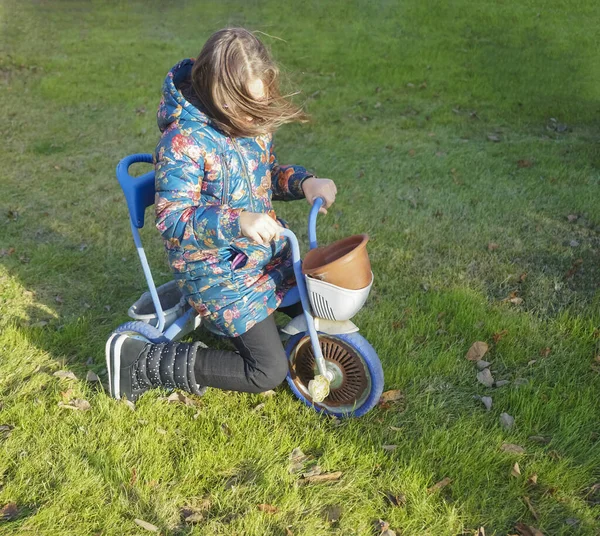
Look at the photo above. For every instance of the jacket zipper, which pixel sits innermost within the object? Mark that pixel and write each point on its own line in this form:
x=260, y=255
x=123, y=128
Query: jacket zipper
x=251, y=193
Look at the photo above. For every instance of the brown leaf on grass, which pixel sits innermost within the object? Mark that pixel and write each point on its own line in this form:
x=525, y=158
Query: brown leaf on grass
x=384, y=528
x=145, y=525
x=523, y=277
x=312, y=471
x=492, y=246
x=574, y=268
x=528, y=530
x=511, y=448
x=545, y=352
x=477, y=351
x=524, y=163
x=7, y=252
x=67, y=395
x=77, y=404
x=133, y=478
x=65, y=375
x=391, y=396
x=516, y=300
x=395, y=499
x=542, y=440
x=268, y=508
x=332, y=513
x=532, y=480
x=326, y=477
x=288, y=532
x=177, y=397
x=191, y=515
x=258, y=407
x=297, y=460
x=439, y=485
x=527, y=501
x=5, y=430
x=499, y=335
x=9, y=512
x=516, y=470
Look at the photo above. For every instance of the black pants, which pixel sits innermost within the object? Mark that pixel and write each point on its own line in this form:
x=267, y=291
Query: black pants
x=260, y=365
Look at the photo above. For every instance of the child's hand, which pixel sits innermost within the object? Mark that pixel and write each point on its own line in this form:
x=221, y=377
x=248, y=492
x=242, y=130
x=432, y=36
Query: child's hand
x=259, y=227
x=324, y=188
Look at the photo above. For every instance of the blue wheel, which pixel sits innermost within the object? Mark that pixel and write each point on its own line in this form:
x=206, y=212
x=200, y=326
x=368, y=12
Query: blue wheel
x=141, y=330
x=358, y=382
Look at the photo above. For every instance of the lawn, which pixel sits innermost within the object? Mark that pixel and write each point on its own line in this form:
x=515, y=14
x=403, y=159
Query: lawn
x=463, y=138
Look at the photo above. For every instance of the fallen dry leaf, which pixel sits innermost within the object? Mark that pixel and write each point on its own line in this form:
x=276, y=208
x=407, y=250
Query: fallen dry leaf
x=177, y=397
x=532, y=480
x=6, y=252
x=268, y=394
x=492, y=246
x=395, y=499
x=545, y=352
x=259, y=407
x=332, y=513
x=326, y=477
x=384, y=528
x=485, y=377
x=145, y=525
x=313, y=471
x=390, y=448
x=5, y=430
x=516, y=300
x=542, y=440
x=9, y=512
x=91, y=377
x=527, y=501
x=439, y=485
x=297, y=460
x=391, y=396
x=191, y=515
x=506, y=421
x=524, y=163
x=65, y=375
x=516, y=470
x=528, y=530
x=499, y=335
x=77, y=404
x=268, y=508
x=477, y=351
x=512, y=448
x=480, y=531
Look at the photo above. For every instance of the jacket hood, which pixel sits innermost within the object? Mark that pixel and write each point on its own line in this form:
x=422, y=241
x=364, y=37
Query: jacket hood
x=173, y=105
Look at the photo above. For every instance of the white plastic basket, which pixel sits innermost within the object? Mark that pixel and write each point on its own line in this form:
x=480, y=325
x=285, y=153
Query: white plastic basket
x=335, y=303
x=171, y=300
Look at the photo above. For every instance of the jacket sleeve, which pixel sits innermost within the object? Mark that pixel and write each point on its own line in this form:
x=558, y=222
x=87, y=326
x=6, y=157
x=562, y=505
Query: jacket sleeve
x=286, y=181
x=182, y=217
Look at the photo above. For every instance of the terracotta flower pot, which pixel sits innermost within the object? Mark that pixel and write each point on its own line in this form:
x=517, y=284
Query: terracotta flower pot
x=344, y=263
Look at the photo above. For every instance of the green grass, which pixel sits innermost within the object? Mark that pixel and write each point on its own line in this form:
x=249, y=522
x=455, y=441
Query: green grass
x=403, y=97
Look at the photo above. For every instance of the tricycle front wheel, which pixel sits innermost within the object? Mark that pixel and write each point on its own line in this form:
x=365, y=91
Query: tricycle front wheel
x=358, y=375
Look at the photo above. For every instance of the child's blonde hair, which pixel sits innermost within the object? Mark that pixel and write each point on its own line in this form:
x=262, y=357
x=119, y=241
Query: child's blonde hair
x=229, y=61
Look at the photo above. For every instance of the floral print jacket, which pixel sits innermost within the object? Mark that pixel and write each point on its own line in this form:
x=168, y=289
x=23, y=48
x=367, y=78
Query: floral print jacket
x=204, y=180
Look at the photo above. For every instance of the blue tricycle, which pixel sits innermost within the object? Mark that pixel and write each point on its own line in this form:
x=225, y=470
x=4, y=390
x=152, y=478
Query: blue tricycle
x=331, y=367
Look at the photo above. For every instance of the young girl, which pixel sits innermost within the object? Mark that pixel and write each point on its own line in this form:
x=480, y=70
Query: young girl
x=216, y=175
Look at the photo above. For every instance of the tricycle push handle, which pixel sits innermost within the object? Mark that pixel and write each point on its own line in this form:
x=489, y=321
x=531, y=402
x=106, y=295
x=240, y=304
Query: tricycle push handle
x=312, y=222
